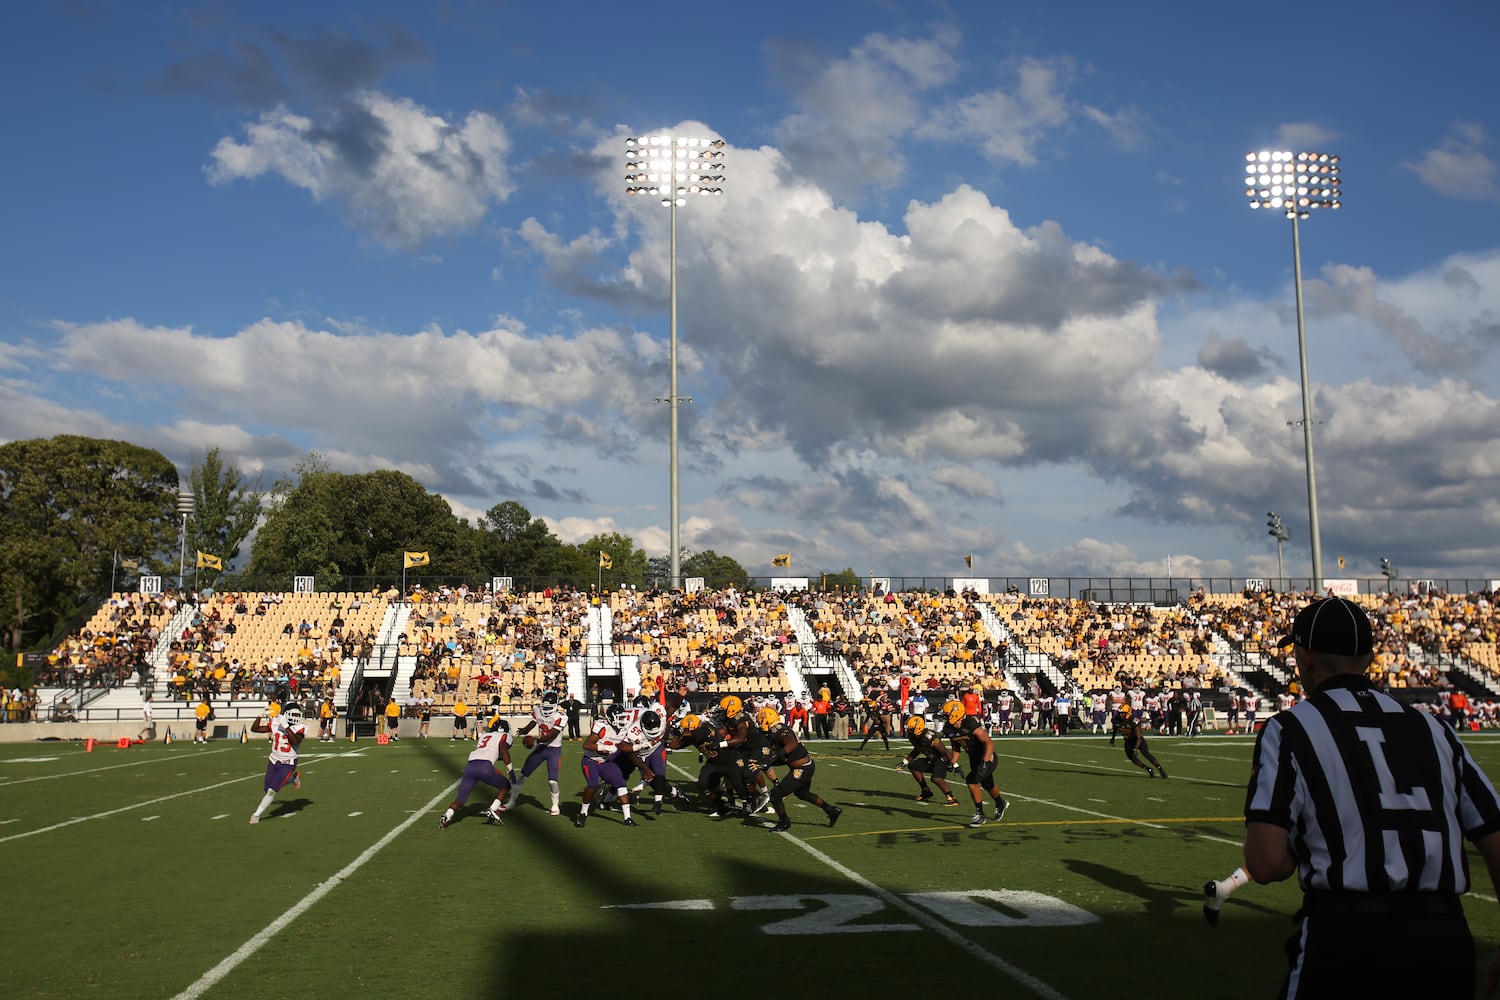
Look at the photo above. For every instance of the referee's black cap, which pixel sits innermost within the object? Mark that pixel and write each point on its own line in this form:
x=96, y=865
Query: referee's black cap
x=1332, y=625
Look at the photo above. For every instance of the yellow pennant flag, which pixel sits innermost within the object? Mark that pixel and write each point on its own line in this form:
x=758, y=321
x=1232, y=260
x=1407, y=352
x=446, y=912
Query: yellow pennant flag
x=605, y=562
x=414, y=559
x=1341, y=562
x=783, y=560
x=130, y=564
x=206, y=561
x=969, y=561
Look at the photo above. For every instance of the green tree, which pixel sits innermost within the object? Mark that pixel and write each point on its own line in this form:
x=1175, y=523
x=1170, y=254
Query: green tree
x=225, y=507
x=335, y=525
x=717, y=571
x=627, y=563
x=846, y=578
x=515, y=544
x=68, y=504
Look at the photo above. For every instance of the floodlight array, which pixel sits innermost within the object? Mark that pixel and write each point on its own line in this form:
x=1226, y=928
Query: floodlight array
x=1294, y=183
x=674, y=166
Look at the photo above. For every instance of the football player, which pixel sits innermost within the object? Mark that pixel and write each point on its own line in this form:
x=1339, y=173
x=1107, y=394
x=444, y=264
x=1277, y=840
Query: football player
x=287, y=731
x=483, y=768
x=647, y=752
x=788, y=750
x=600, y=766
x=966, y=733
x=878, y=709
x=545, y=746
x=1128, y=726
x=927, y=756
x=711, y=739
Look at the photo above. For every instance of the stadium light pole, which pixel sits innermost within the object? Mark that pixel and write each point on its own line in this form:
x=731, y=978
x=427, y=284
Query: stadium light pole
x=673, y=167
x=1295, y=183
x=185, y=508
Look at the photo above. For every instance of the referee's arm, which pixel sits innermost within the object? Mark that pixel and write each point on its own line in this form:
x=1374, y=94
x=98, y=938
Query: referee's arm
x=1268, y=853
x=1489, y=848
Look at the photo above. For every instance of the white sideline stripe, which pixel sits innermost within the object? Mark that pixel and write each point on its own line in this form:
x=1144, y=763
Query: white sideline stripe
x=210, y=978
x=138, y=805
x=1018, y=974
x=7, y=782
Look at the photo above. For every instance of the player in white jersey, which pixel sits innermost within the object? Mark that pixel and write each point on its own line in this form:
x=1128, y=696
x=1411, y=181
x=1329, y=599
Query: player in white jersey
x=287, y=731
x=546, y=747
x=605, y=741
x=1028, y=713
x=1251, y=703
x=483, y=768
x=645, y=737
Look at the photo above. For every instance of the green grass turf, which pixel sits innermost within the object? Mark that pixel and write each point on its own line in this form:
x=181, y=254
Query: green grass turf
x=133, y=873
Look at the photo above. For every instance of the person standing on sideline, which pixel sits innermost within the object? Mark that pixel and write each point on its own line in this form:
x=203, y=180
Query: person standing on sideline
x=148, y=729
x=424, y=716
x=393, y=719
x=573, y=708
x=460, y=720
x=1368, y=801
x=203, y=715
x=287, y=731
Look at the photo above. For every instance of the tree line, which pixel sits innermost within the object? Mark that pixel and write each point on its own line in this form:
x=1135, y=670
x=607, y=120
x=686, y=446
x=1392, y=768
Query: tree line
x=80, y=515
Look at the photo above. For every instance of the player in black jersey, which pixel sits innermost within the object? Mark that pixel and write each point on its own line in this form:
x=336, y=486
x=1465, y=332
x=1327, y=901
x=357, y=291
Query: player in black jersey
x=1128, y=727
x=705, y=736
x=966, y=733
x=928, y=755
x=724, y=755
x=788, y=750
x=878, y=709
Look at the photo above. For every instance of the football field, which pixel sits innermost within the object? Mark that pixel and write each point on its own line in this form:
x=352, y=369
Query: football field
x=133, y=873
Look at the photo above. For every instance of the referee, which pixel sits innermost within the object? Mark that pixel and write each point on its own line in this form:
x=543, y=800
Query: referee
x=1368, y=802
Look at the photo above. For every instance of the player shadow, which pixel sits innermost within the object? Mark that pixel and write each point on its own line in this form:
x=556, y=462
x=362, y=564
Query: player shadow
x=1086, y=772
x=286, y=807
x=1161, y=900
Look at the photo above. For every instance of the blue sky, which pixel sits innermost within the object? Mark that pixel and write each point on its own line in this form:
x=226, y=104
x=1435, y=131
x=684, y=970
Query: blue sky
x=983, y=280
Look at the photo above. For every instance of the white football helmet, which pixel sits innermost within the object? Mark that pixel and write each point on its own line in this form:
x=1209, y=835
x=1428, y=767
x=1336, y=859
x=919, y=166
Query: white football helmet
x=292, y=714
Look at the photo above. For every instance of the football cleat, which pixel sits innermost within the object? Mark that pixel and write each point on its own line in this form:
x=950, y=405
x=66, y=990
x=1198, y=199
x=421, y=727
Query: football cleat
x=978, y=820
x=503, y=807
x=782, y=827
x=580, y=819
x=491, y=816
x=254, y=819
x=761, y=801
x=443, y=823
x=627, y=821
x=554, y=811
x=656, y=808
x=1161, y=772
x=925, y=794
x=1211, y=903
x=1003, y=805
x=951, y=801
x=834, y=814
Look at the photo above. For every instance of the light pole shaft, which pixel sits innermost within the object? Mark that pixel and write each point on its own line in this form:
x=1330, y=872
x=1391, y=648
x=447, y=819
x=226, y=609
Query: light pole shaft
x=181, y=550
x=1307, y=419
x=676, y=529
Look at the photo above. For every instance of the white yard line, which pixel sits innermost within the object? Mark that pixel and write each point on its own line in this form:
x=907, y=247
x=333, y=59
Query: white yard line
x=1087, y=812
x=139, y=805
x=1015, y=972
x=6, y=782
x=210, y=978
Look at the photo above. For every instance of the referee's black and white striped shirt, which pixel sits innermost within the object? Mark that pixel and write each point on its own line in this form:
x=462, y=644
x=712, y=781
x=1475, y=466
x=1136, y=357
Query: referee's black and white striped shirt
x=1376, y=797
